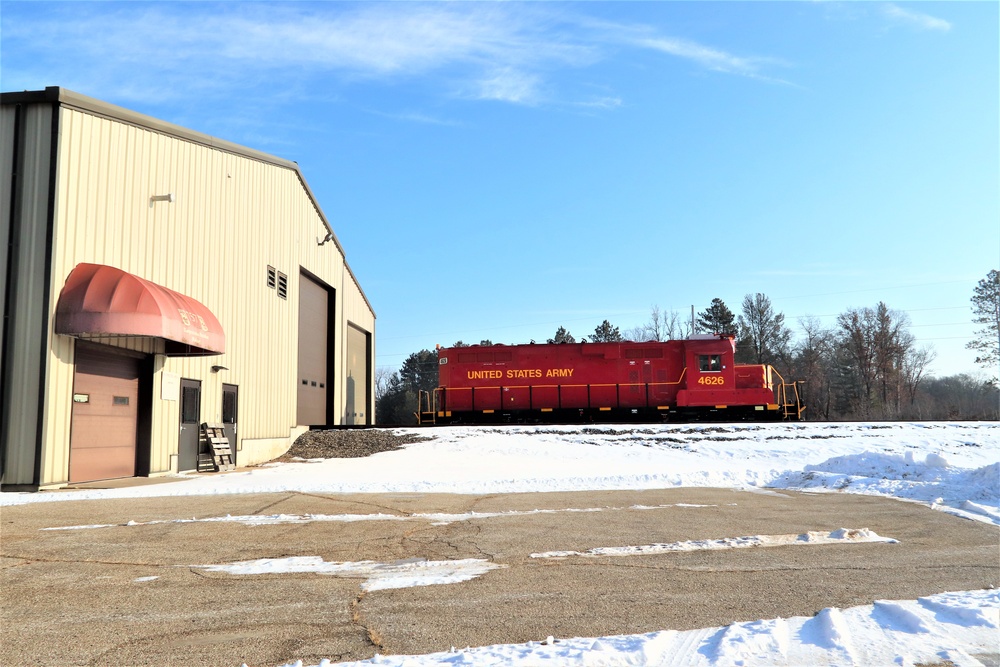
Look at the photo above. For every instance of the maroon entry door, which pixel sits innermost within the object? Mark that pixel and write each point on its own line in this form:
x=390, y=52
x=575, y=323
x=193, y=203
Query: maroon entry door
x=105, y=414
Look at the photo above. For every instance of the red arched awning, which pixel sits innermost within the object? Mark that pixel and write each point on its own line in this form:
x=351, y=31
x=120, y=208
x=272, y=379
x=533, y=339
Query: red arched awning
x=100, y=301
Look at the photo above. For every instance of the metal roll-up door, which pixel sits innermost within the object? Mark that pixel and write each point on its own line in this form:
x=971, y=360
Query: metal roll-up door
x=358, y=365
x=314, y=315
x=105, y=415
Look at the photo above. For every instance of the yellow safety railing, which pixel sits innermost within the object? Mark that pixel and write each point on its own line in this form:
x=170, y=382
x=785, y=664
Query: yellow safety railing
x=426, y=407
x=787, y=396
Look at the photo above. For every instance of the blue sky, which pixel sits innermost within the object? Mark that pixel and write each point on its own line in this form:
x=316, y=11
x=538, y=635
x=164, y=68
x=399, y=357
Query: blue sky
x=498, y=170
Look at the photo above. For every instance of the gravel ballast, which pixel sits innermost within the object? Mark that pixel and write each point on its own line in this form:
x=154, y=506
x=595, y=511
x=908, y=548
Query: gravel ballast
x=347, y=443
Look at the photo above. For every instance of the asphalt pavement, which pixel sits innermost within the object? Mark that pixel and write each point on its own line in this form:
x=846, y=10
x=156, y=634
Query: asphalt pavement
x=136, y=594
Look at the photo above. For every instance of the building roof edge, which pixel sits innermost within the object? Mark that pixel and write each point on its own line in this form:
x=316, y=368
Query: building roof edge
x=69, y=98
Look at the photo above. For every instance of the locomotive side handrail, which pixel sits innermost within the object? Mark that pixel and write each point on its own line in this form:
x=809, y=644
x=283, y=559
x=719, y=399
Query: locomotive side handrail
x=428, y=416
x=787, y=397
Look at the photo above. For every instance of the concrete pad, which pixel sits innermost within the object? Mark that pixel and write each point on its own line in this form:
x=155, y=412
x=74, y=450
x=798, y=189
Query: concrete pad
x=86, y=596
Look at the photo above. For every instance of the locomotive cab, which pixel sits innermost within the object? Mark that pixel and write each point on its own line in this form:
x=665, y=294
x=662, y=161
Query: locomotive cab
x=710, y=375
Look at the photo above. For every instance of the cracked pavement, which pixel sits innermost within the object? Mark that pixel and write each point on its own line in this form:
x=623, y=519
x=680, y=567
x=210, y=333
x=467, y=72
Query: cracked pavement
x=75, y=597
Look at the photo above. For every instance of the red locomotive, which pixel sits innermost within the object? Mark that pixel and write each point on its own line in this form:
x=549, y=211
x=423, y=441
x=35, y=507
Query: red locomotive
x=571, y=382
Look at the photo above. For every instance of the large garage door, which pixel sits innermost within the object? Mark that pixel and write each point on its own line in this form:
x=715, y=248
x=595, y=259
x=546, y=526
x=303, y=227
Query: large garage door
x=105, y=413
x=314, y=312
x=358, y=363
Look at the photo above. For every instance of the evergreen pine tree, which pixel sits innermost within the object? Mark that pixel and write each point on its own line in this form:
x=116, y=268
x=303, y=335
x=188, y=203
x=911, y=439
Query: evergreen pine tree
x=562, y=336
x=986, y=306
x=717, y=318
x=606, y=333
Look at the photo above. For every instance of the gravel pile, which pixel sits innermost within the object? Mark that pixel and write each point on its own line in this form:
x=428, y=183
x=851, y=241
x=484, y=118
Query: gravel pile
x=347, y=444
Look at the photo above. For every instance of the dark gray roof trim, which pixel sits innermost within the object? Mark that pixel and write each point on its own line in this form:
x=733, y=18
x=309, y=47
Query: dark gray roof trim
x=57, y=95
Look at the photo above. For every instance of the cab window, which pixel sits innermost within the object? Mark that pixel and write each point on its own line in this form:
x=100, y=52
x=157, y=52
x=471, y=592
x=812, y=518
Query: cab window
x=710, y=363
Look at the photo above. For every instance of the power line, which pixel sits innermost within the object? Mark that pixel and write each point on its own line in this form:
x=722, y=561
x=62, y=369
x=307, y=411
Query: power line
x=872, y=289
x=948, y=338
x=490, y=329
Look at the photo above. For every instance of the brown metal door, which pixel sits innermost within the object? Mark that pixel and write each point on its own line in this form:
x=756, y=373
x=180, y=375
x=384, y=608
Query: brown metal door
x=190, y=437
x=105, y=412
x=230, y=414
x=313, y=344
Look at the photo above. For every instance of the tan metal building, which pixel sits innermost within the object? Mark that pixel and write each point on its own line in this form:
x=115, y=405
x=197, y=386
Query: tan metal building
x=155, y=278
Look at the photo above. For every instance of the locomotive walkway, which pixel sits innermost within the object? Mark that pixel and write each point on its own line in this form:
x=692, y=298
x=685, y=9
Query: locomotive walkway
x=140, y=594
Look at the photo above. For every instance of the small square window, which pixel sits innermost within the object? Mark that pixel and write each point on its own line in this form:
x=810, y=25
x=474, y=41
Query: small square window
x=282, y=286
x=710, y=363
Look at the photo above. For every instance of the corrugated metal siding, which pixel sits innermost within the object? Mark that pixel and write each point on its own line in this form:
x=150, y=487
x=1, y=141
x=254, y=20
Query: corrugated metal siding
x=231, y=217
x=7, y=122
x=25, y=344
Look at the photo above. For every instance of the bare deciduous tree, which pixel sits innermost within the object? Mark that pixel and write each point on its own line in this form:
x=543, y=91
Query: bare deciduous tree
x=663, y=325
x=383, y=381
x=877, y=342
x=915, y=363
x=764, y=338
x=814, y=364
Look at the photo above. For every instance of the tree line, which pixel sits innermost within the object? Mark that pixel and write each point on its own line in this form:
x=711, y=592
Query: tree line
x=866, y=366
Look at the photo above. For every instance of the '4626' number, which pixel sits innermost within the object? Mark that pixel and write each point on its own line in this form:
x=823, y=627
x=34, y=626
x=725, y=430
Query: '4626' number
x=711, y=379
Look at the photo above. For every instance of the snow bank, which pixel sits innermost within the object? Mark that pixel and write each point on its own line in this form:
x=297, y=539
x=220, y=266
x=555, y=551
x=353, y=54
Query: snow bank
x=950, y=628
x=972, y=493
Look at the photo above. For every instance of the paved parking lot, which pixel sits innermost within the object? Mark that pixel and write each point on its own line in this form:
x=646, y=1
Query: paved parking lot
x=139, y=594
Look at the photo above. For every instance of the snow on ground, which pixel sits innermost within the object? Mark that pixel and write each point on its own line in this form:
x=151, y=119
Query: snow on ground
x=379, y=576
x=811, y=538
x=953, y=467
x=950, y=466
x=957, y=629
x=420, y=572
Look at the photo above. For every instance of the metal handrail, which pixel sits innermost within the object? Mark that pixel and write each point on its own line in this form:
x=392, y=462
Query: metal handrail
x=428, y=416
x=791, y=409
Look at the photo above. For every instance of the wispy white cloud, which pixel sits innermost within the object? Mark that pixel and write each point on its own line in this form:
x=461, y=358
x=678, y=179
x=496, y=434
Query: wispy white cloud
x=608, y=102
x=820, y=272
x=418, y=117
x=646, y=37
x=389, y=39
x=707, y=57
x=917, y=19
x=509, y=85
x=498, y=52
